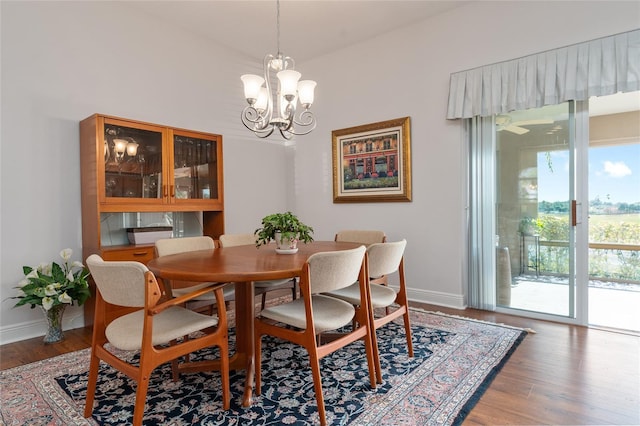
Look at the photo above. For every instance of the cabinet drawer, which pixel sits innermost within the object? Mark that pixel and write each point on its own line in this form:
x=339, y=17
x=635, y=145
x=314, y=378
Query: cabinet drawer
x=142, y=254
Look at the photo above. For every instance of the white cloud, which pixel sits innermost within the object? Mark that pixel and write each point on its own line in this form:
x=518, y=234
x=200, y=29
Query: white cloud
x=617, y=169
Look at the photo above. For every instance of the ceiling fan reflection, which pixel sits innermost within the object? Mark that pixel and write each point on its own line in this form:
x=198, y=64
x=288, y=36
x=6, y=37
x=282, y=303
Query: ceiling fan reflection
x=503, y=122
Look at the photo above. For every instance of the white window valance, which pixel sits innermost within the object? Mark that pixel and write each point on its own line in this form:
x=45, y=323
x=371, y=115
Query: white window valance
x=604, y=66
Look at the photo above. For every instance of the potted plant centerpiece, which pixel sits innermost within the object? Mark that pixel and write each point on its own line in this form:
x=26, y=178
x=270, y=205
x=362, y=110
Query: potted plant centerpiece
x=53, y=288
x=286, y=230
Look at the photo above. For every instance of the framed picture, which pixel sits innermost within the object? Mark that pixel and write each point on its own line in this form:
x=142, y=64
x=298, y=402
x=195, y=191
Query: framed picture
x=372, y=163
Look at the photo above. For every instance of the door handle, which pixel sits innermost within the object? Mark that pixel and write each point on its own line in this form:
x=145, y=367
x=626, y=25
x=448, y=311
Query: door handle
x=574, y=212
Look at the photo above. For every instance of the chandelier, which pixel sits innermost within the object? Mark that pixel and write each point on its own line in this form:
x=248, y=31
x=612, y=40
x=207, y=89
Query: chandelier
x=270, y=109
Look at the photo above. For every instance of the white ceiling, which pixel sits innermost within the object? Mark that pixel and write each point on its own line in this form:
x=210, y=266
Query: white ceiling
x=311, y=28
x=308, y=28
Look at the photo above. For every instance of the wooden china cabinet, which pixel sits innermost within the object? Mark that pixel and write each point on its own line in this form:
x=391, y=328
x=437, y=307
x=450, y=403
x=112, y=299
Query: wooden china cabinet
x=138, y=175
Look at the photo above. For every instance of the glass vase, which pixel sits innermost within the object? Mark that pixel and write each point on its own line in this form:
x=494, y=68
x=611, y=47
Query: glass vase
x=54, y=324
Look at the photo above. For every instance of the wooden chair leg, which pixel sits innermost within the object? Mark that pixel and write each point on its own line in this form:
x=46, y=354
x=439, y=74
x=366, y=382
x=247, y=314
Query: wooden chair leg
x=175, y=371
x=258, y=363
x=91, y=385
x=224, y=372
x=264, y=300
x=141, y=396
x=314, y=362
x=376, y=355
x=407, y=331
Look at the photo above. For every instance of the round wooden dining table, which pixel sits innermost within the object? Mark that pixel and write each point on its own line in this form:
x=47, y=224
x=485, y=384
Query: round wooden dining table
x=241, y=265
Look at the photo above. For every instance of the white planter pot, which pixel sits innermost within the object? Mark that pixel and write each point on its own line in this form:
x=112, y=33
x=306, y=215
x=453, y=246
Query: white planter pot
x=286, y=245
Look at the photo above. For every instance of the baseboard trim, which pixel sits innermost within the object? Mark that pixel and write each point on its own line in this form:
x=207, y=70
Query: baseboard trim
x=36, y=328
x=449, y=300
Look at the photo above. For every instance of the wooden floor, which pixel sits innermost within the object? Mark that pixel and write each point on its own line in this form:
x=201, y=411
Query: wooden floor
x=561, y=375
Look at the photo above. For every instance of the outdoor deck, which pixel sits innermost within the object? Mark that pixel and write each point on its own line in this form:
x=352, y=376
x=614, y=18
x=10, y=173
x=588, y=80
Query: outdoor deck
x=611, y=305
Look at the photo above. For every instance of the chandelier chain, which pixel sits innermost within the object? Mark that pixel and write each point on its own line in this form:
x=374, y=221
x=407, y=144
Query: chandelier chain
x=278, y=26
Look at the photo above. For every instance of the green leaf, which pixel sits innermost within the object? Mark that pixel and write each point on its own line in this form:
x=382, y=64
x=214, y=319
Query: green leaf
x=57, y=273
x=83, y=295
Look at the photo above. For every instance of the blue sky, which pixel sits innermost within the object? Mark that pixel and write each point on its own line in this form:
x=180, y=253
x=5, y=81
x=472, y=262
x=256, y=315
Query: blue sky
x=614, y=174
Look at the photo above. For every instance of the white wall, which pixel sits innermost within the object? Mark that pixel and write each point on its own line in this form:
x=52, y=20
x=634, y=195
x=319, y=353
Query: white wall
x=64, y=61
x=406, y=73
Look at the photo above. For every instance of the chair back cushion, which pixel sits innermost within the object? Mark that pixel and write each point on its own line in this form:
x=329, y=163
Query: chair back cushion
x=332, y=270
x=230, y=240
x=384, y=258
x=120, y=283
x=365, y=237
x=167, y=246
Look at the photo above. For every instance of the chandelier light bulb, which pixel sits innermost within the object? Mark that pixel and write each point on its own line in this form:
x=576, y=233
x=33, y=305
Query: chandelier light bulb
x=252, y=85
x=263, y=99
x=305, y=92
x=289, y=83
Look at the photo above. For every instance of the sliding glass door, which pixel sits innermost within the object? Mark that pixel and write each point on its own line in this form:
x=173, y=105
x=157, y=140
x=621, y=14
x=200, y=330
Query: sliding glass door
x=614, y=211
x=535, y=211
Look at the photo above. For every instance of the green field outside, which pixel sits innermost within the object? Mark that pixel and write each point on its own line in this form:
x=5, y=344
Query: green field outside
x=603, y=263
x=597, y=219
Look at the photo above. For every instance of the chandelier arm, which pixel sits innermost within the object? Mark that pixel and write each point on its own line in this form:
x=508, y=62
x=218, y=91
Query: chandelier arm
x=299, y=132
x=261, y=132
x=287, y=134
x=289, y=63
x=305, y=124
x=252, y=119
x=288, y=118
x=306, y=118
x=265, y=133
x=268, y=114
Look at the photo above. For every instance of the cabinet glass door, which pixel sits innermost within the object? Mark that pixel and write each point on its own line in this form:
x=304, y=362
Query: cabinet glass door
x=195, y=162
x=132, y=161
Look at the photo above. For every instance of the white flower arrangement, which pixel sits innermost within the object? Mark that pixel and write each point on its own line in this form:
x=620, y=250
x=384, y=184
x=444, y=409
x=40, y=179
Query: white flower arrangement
x=50, y=284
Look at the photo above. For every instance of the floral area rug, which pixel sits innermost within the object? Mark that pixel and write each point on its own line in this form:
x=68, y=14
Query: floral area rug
x=455, y=360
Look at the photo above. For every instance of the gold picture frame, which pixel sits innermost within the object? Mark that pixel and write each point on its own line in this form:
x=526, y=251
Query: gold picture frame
x=372, y=163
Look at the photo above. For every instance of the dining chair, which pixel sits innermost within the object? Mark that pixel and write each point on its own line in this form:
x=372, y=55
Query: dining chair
x=147, y=323
x=361, y=236
x=300, y=320
x=366, y=237
x=261, y=287
x=383, y=259
x=168, y=246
